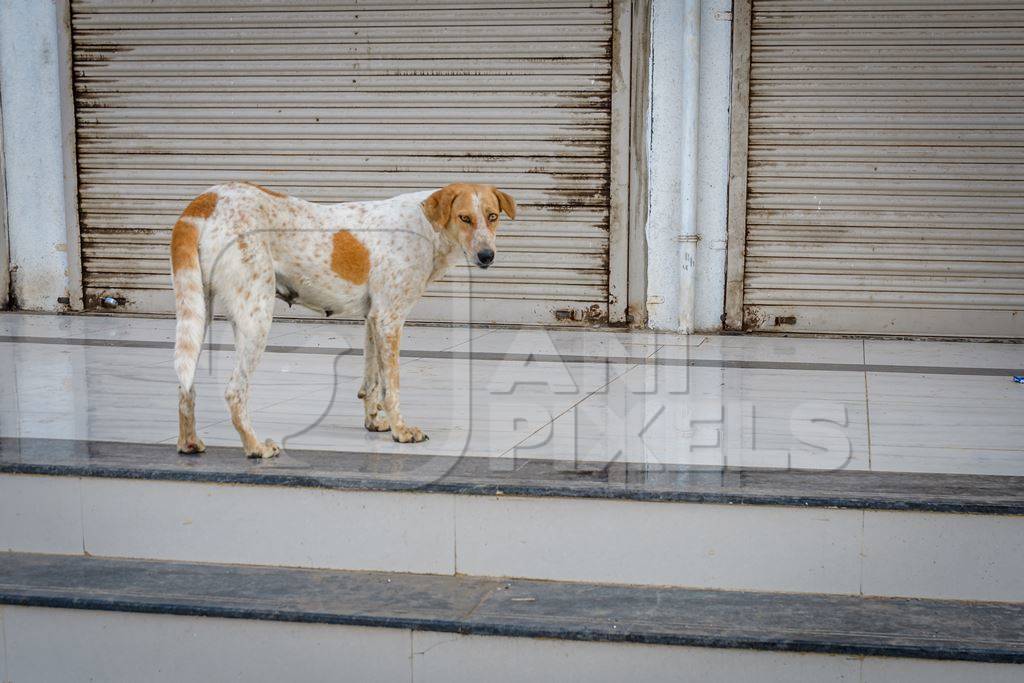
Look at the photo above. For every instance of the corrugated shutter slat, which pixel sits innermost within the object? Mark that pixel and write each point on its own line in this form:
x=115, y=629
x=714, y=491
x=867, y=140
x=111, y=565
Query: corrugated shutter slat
x=885, y=167
x=344, y=101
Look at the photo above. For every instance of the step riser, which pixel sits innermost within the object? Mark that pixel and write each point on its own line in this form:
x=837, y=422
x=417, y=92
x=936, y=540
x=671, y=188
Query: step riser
x=115, y=646
x=742, y=547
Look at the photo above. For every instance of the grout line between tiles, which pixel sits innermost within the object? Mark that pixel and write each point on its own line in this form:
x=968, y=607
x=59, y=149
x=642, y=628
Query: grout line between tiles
x=867, y=402
x=860, y=574
x=412, y=656
x=455, y=535
x=81, y=512
x=407, y=361
x=552, y=421
x=448, y=354
x=5, y=662
x=456, y=345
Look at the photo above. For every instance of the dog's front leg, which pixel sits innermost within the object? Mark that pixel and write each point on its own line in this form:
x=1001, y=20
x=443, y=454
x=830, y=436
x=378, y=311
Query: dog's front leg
x=388, y=333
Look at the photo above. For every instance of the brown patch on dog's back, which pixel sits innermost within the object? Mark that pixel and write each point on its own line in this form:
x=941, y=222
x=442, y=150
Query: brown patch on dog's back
x=184, y=245
x=270, y=192
x=350, y=260
x=202, y=206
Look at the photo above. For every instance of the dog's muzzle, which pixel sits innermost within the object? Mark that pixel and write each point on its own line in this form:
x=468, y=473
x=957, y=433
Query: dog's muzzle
x=484, y=258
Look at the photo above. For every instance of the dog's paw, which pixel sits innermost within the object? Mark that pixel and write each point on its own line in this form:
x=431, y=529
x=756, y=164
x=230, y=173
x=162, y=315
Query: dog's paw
x=406, y=434
x=377, y=424
x=267, y=449
x=194, y=447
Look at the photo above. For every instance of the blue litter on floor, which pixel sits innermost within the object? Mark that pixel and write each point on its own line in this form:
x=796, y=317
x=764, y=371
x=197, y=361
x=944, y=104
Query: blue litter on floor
x=1019, y=379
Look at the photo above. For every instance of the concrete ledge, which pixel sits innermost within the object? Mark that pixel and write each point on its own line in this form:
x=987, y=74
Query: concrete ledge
x=885, y=627
x=712, y=529
x=420, y=472
x=159, y=648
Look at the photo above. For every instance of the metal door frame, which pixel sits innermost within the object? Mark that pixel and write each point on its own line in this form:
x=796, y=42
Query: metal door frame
x=739, y=130
x=639, y=145
x=69, y=142
x=619, y=162
x=5, y=249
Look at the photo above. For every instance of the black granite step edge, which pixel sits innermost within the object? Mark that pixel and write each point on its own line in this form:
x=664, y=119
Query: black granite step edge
x=416, y=472
x=822, y=624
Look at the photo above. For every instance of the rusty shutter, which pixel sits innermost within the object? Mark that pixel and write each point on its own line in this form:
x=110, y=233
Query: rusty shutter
x=885, y=167
x=344, y=101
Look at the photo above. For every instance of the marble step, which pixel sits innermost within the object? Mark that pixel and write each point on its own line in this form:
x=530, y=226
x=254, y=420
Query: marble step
x=855, y=533
x=121, y=619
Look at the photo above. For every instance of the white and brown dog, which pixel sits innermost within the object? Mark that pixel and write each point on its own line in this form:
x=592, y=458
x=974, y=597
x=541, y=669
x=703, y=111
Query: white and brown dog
x=246, y=245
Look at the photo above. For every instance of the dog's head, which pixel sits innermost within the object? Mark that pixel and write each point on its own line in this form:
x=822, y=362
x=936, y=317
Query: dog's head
x=468, y=214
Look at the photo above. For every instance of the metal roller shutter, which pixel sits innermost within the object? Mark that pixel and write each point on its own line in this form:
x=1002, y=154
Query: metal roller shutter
x=885, y=167
x=344, y=101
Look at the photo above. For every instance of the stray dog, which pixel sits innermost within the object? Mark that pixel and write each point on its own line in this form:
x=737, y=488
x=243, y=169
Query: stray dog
x=246, y=245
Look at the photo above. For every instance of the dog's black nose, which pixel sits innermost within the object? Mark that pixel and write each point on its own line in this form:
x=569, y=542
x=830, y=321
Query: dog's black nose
x=485, y=257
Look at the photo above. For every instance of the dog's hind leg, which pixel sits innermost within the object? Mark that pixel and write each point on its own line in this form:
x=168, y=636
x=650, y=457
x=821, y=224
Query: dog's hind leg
x=251, y=323
x=370, y=363
x=372, y=392
x=246, y=286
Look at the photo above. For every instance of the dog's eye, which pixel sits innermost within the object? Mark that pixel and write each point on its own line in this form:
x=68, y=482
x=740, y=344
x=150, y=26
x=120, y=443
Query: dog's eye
x=493, y=217
x=465, y=219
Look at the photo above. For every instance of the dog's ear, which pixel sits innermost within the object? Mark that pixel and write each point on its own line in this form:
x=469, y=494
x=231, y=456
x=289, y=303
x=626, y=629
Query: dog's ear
x=505, y=201
x=438, y=207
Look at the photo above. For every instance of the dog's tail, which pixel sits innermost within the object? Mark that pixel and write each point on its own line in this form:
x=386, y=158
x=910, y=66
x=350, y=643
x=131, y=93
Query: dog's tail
x=189, y=297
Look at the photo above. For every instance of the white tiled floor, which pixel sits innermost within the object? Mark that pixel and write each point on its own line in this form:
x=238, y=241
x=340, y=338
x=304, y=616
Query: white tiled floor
x=955, y=354
x=774, y=349
x=933, y=422
x=506, y=393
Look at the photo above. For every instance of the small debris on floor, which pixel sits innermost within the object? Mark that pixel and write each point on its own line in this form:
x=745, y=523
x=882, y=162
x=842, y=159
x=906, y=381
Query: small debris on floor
x=1019, y=379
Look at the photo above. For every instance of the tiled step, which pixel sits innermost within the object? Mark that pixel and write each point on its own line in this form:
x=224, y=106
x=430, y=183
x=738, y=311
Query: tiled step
x=391, y=626
x=843, y=532
x=742, y=401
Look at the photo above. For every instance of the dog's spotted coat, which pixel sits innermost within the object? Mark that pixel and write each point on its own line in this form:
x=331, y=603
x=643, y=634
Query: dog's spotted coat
x=244, y=245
